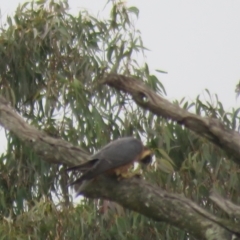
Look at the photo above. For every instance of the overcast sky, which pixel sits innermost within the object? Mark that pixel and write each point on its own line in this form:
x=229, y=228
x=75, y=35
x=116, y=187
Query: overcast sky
x=196, y=42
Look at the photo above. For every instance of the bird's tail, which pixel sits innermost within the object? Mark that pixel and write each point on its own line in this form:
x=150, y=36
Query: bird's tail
x=80, y=184
x=80, y=187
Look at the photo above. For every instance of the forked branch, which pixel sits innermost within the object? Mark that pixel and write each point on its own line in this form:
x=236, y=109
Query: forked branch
x=210, y=128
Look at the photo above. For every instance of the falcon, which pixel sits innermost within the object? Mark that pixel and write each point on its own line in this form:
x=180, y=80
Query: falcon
x=116, y=158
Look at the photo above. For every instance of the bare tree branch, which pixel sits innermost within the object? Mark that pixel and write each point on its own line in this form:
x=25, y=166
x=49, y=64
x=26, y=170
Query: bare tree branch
x=227, y=206
x=53, y=150
x=210, y=128
x=151, y=201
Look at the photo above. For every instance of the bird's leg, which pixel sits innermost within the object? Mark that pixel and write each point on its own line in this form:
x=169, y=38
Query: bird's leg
x=129, y=175
x=136, y=173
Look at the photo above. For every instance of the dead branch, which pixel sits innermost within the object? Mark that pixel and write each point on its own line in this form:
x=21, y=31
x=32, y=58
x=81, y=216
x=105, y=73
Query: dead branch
x=228, y=207
x=153, y=202
x=210, y=128
x=53, y=150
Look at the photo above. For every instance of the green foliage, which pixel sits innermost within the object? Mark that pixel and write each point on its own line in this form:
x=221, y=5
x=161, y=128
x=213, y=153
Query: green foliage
x=47, y=221
x=51, y=63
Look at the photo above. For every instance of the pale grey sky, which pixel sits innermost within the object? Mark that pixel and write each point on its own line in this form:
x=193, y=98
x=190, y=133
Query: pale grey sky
x=196, y=42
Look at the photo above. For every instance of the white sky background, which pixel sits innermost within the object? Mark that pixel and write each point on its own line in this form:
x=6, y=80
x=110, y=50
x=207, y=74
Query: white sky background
x=196, y=42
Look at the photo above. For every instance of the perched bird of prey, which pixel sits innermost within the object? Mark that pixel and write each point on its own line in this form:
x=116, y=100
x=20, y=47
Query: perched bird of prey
x=113, y=159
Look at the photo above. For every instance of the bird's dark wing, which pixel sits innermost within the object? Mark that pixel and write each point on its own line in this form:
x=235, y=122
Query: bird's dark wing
x=116, y=154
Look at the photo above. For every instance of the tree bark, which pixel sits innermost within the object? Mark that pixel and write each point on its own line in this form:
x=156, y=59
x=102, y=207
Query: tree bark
x=210, y=128
x=151, y=201
x=228, y=207
x=53, y=150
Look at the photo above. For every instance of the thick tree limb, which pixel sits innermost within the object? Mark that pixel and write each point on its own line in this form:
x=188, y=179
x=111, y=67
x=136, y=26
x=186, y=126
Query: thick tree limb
x=53, y=150
x=151, y=201
x=227, y=206
x=134, y=194
x=210, y=128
